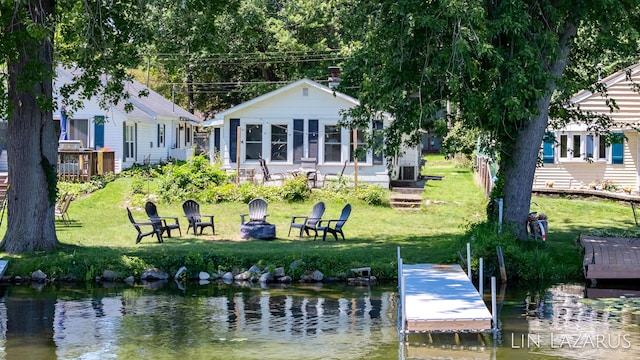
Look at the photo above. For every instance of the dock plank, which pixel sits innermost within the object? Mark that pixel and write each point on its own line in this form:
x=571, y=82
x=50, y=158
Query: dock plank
x=613, y=258
x=441, y=298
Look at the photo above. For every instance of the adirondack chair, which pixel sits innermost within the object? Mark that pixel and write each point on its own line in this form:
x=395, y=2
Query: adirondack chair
x=308, y=223
x=192, y=212
x=61, y=208
x=334, y=176
x=154, y=228
x=167, y=223
x=334, y=226
x=308, y=167
x=267, y=175
x=257, y=212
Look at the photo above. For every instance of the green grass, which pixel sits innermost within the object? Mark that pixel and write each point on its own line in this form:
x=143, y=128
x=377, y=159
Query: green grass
x=100, y=236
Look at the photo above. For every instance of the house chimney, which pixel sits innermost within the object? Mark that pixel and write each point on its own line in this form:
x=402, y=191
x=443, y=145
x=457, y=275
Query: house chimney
x=334, y=77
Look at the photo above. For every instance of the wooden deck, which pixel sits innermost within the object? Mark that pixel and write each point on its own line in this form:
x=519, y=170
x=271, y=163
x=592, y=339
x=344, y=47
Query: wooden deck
x=441, y=298
x=610, y=258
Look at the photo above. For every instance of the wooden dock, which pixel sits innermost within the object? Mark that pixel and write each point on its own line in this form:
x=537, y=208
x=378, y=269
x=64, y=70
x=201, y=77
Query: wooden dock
x=610, y=258
x=440, y=298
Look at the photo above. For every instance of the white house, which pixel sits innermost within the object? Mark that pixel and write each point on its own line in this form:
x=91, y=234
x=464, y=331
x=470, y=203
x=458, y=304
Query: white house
x=155, y=130
x=565, y=159
x=299, y=120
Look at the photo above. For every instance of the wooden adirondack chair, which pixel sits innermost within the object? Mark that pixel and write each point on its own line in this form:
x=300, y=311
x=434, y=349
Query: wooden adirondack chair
x=61, y=208
x=308, y=223
x=334, y=226
x=269, y=176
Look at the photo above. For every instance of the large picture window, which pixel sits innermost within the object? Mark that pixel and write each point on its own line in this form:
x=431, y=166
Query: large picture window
x=253, y=142
x=278, y=142
x=332, y=144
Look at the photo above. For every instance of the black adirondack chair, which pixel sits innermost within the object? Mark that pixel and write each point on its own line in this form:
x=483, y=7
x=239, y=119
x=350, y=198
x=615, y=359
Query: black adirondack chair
x=334, y=226
x=308, y=223
x=196, y=220
x=153, y=228
x=167, y=223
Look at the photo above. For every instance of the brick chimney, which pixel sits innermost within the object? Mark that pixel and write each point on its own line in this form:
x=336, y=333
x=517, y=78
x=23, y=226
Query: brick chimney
x=334, y=77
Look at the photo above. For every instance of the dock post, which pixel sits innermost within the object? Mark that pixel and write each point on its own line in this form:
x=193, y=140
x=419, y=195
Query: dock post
x=402, y=314
x=480, y=277
x=494, y=311
x=469, y=261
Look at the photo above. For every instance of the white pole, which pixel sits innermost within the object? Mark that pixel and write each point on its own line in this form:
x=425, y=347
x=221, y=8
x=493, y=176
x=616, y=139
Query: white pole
x=469, y=260
x=481, y=278
x=493, y=307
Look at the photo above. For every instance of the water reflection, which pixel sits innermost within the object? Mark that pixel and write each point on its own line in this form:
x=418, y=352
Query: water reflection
x=324, y=322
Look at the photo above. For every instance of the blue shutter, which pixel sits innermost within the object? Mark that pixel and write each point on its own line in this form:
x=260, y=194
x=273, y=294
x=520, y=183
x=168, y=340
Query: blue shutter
x=298, y=140
x=216, y=139
x=233, y=139
x=548, y=156
x=98, y=132
x=617, y=149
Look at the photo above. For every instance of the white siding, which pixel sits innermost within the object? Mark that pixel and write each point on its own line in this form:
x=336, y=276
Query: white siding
x=297, y=103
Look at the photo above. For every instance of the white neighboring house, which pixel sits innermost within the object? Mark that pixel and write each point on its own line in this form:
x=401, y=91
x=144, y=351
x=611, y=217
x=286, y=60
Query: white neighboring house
x=155, y=130
x=564, y=160
x=299, y=120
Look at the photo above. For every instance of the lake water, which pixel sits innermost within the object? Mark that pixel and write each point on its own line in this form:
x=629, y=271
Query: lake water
x=218, y=321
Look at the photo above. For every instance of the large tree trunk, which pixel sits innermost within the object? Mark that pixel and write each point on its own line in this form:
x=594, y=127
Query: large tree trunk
x=519, y=161
x=32, y=143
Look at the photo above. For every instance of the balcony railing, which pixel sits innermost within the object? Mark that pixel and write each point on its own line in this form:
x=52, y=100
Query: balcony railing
x=82, y=165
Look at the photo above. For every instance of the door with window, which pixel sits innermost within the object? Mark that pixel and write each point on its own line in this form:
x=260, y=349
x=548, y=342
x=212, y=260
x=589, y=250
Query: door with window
x=129, y=142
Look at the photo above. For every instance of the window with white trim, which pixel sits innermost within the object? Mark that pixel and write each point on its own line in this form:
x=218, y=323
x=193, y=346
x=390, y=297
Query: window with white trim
x=332, y=143
x=278, y=142
x=253, y=142
x=581, y=146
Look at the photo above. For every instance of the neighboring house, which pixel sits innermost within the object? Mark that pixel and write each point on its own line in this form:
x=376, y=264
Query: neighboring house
x=155, y=130
x=299, y=120
x=579, y=157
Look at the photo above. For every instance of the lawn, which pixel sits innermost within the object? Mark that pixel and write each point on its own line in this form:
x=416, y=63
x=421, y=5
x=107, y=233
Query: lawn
x=100, y=236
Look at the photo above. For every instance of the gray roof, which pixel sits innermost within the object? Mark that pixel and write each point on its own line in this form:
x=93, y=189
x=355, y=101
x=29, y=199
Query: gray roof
x=149, y=107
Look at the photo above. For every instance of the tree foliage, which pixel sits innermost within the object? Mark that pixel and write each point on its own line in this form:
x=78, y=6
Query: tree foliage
x=504, y=64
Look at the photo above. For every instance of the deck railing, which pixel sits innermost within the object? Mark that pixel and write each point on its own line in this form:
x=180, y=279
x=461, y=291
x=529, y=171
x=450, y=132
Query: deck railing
x=82, y=165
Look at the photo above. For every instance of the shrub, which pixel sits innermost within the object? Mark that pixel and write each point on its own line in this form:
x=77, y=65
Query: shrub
x=188, y=179
x=528, y=261
x=372, y=195
x=296, y=189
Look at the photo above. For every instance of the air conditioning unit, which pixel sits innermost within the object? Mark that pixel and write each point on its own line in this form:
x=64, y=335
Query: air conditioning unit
x=408, y=173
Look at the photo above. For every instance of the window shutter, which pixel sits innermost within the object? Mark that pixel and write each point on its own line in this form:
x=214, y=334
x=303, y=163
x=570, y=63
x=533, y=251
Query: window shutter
x=617, y=149
x=98, y=131
x=233, y=139
x=158, y=137
x=548, y=156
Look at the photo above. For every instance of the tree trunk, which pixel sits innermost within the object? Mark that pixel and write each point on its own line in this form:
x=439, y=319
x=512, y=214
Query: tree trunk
x=520, y=160
x=32, y=142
